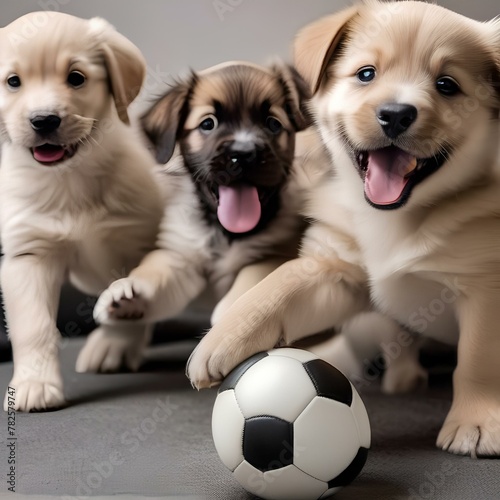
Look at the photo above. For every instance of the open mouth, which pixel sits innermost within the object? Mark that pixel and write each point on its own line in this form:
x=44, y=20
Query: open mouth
x=391, y=173
x=242, y=208
x=53, y=154
x=239, y=207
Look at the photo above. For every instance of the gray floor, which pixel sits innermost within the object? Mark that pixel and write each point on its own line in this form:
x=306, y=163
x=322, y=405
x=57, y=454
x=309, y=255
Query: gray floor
x=108, y=438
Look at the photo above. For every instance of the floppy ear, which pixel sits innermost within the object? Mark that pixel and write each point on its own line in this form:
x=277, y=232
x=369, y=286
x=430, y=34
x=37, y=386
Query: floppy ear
x=494, y=24
x=297, y=94
x=125, y=65
x=162, y=122
x=315, y=44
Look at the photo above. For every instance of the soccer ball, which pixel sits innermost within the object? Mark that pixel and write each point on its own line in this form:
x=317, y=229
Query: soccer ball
x=290, y=426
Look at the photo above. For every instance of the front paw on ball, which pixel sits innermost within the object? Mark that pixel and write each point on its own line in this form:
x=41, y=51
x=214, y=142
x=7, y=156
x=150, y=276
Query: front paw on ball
x=198, y=371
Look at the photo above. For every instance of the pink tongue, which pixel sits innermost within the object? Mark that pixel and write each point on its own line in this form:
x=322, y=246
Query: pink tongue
x=239, y=208
x=385, y=178
x=48, y=153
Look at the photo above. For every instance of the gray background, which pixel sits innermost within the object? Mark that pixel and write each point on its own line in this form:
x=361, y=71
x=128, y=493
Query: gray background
x=176, y=35
x=59, y=450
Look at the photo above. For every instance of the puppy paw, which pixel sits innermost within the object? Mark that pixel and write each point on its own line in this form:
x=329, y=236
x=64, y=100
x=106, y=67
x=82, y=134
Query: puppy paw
x=34, y=395
x=472, y=429
x=402, y=378
x=109, y=351
x=124, y=299
x=218, y=353
x=206, y=369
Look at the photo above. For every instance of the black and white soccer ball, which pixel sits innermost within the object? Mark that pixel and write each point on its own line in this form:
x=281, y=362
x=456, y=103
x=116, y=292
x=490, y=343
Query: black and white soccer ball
x=290, y=426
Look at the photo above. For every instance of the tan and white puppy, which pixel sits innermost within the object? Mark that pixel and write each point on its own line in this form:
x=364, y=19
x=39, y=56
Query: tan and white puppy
x=78, y=200
x=406, y=96
x=237, y=184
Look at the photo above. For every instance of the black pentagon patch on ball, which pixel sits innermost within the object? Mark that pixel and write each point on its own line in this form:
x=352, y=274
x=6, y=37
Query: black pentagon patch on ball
x=351, y=471
x=328, y=381
x=232, y=379
x=268, y=442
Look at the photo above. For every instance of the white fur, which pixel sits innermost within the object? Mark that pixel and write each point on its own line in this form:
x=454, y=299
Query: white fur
x=89, y=218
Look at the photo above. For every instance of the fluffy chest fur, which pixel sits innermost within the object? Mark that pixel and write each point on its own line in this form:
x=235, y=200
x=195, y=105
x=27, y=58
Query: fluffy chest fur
x=79, y=212
x=193, y=241
x=420, y=263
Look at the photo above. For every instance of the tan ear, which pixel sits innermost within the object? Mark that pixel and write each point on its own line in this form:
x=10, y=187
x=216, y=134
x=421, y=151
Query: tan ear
x=164, y=119
x=315, y=44
x=494, y=25
x=297, y=94
x=125, y=64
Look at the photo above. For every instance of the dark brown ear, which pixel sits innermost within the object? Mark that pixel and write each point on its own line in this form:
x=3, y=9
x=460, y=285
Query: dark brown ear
x=315, y=44
x=162, y=122
x=297, y=94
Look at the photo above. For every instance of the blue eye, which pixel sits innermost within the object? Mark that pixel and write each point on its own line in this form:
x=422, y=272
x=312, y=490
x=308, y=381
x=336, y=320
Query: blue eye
x=447, y=86
x=366, y=74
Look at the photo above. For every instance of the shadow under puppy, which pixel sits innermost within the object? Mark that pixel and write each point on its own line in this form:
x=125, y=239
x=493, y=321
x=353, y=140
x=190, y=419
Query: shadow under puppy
x=235, y=187
x=410, y=223
x=78, y=199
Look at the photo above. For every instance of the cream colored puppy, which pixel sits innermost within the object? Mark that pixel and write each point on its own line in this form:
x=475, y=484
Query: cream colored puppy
x=406, y=96
x=77, y=199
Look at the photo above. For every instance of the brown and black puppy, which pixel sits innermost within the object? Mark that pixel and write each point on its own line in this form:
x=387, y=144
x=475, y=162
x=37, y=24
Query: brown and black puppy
x=235, y=125
x=235, y=184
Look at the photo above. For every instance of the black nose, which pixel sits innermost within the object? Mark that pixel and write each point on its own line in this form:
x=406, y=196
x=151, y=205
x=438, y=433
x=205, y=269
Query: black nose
x=243, y=152
x=45, y=124
x=395, y=118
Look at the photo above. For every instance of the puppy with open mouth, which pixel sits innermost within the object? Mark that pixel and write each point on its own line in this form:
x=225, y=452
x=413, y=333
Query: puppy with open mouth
x=78, y=199
x=236, y=184
x=406, y=98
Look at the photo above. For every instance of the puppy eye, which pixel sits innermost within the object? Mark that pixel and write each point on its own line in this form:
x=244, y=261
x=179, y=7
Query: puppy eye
x=447, y=86
x=208, y=124
x=274, y=125
x=366, y=74
x=76, y=79
x=14, y=82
